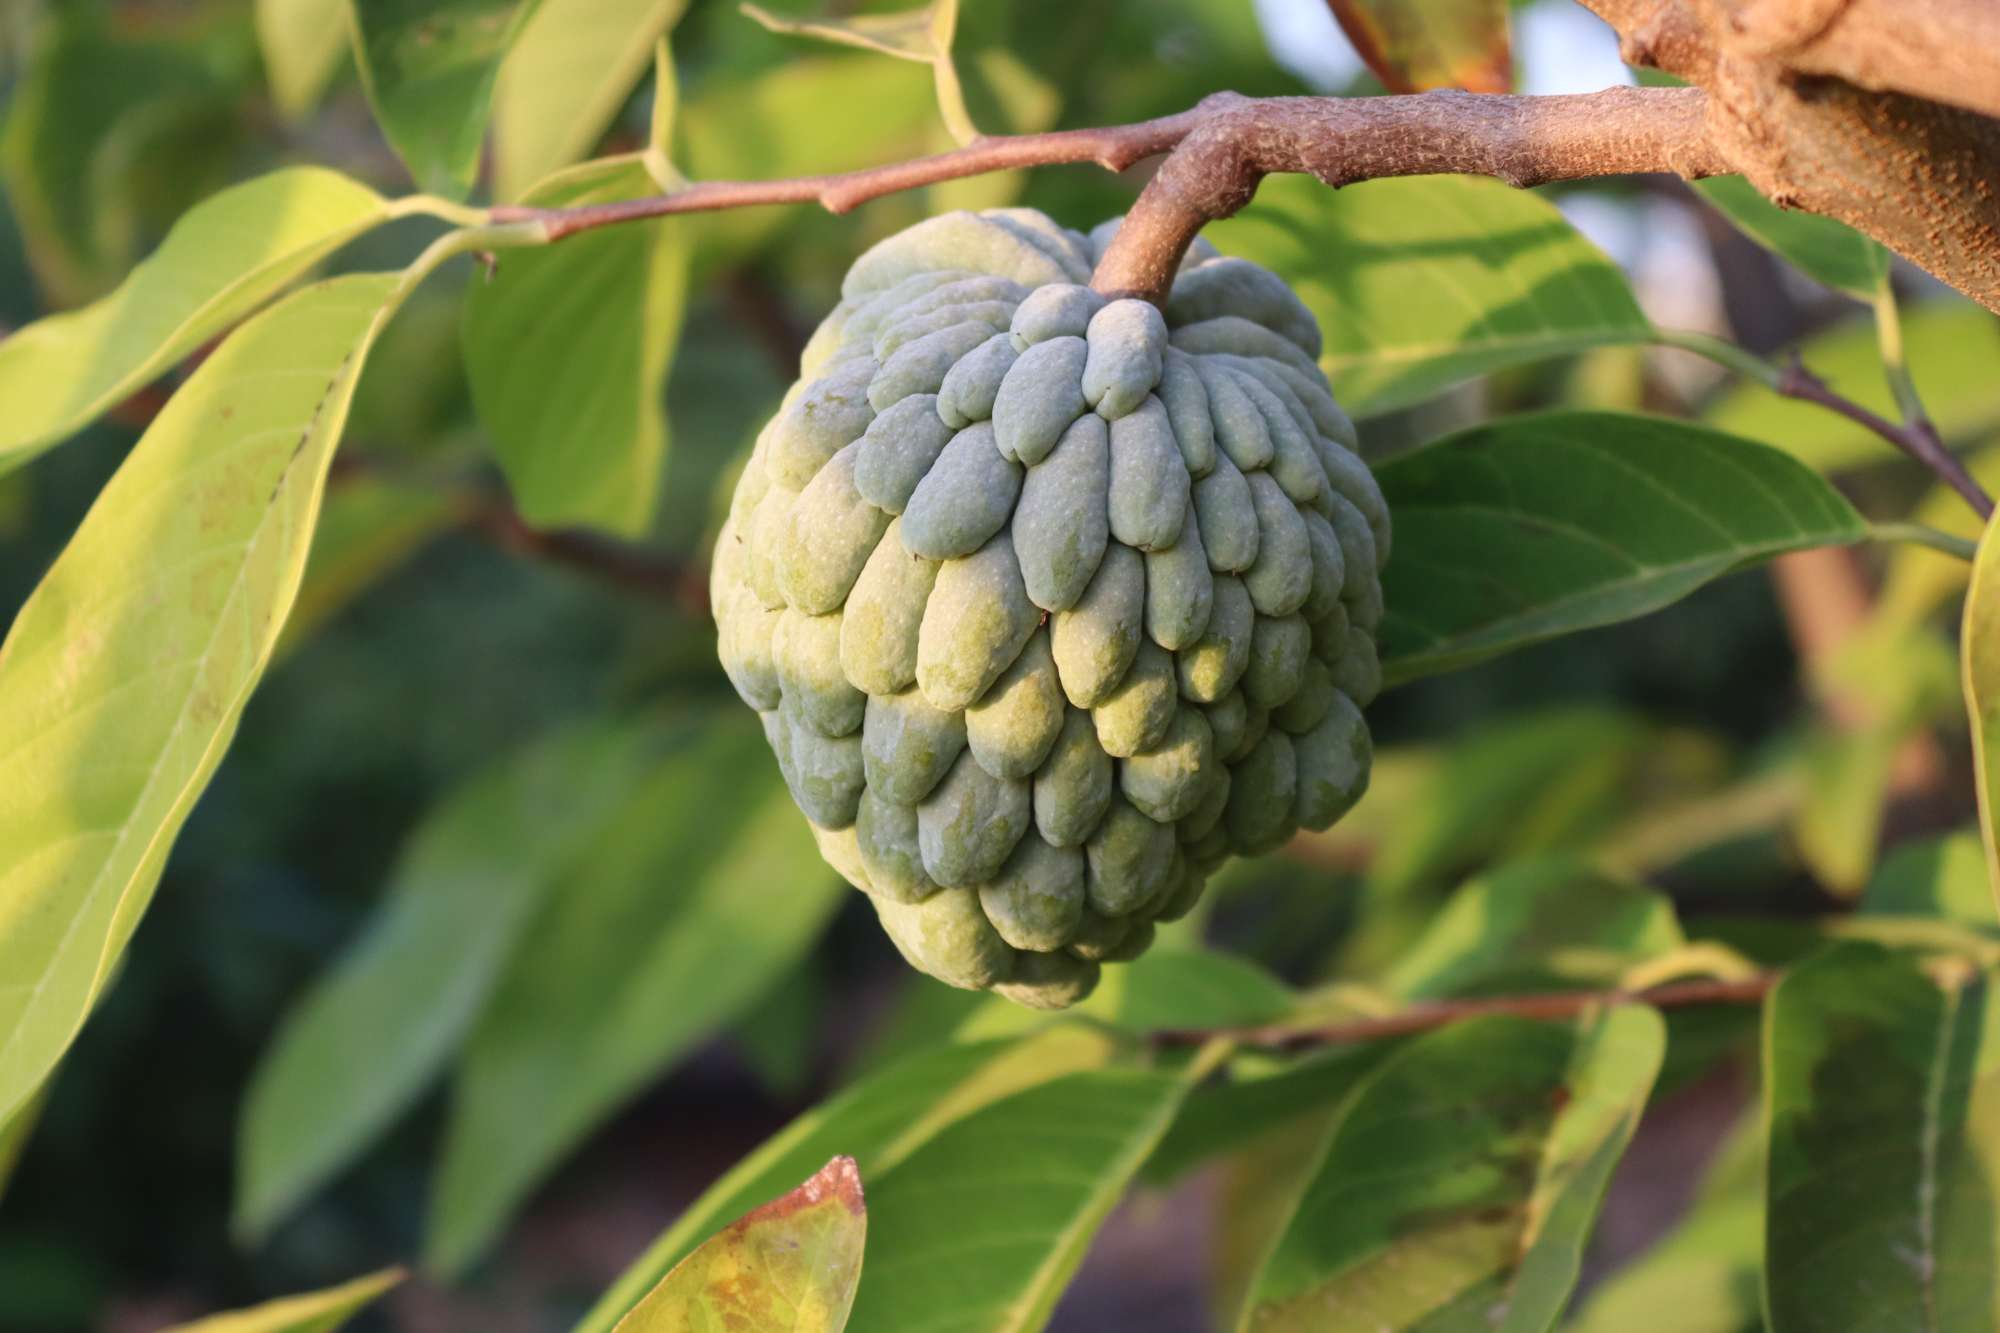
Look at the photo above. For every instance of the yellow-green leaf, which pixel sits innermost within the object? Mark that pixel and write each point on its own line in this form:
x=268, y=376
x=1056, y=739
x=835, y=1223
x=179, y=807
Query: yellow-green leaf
x=571, y=70
x=923, y=34
x=302, y=42
x=789, y=1266
x=224, y=258
x=1979, y=648
x=320, y=1312
x=124, y=675
x=1413, y=45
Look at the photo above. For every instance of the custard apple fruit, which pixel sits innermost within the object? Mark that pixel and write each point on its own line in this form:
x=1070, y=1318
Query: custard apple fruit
x=1049, y=603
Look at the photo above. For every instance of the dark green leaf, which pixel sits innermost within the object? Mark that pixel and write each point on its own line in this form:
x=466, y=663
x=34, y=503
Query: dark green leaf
x=1831, y=251
x=568, y=351
x=1423, y=282
x=378, y=1027
x=705, y=888
x=1883, y=1111
x=1532, y=527
x=1460, y=1184
x=429, y=67
x=1258, y=1096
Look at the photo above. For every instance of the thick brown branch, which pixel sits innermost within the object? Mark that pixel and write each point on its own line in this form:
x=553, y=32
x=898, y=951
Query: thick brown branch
x=1939, y=50
x=1424, y=1017
x=1520, y=140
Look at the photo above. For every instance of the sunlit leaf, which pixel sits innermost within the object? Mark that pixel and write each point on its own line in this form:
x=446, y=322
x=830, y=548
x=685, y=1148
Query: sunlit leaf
x=1830, y=251
x=224, y=258
x=1933, y=877
x=1882, y=1104
x=980, y=1229
x=922, y=34
x=320, y=1312
x=703, y=890
x=567, y=350
x=1414, y=45
x=1532, y=925
x=1423, y=282
x=1460, y=1184
x=1952, y=347
x=1165, y=988
x=1532, y=527
x=568, y=74
x=429, y=67
x=1979, y=650
x=124, y=675
x=382, y=1023
x=302, y=42
x=788, y=1266
x=880, y=1121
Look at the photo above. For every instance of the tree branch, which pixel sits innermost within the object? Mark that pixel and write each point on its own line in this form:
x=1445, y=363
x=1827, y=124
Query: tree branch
x=1917, y=438
x=1523, y=141
x=1424, y=1017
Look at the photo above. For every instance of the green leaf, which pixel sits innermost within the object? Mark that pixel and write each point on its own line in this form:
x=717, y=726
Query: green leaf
x=561, y=86
x=107, y=139
x=1979, y=660
x=923, y=34
x=1532, y=925
x=15, y=1131
x=1533, y=527
x=789, y=1266
x=1416, y=45
x=704, y=889
x=1951, y=347
x=1165, y=988
x=429, y=67
x=980, y=1229
x=1460, y=1185
x=567, y=350
x=1703, y=1277
x=1256, y=1099
x=321, y=1312
x=380, y=1025
x=1830, y=251
x=302, y=42
x=880, y=1121
x=124, y=676
x=369, y=525
x=1881, y=1105
x=1423, y=282
x=222, y=260
x=1933, y=877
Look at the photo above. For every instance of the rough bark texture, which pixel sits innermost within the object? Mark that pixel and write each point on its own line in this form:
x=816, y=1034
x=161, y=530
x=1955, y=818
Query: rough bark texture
x=1521, y=140
x=1793, y=106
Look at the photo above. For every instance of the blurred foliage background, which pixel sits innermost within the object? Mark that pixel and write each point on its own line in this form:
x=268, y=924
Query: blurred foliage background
x=434, y=642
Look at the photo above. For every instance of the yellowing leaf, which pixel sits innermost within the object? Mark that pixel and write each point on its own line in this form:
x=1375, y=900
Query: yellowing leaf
x=320, y=1312
x=224, y=258
x=790, y=1266
x=124, y=675
x=1412, y=45
x=924, y=35
x=1979, y=647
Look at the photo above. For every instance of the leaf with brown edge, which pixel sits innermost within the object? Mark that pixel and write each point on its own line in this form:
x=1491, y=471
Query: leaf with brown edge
x=788, y=1266
x=1414, y=45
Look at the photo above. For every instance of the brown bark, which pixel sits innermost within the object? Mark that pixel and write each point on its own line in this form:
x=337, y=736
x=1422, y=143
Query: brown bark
x=1520, y=140
x=1793, y=106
